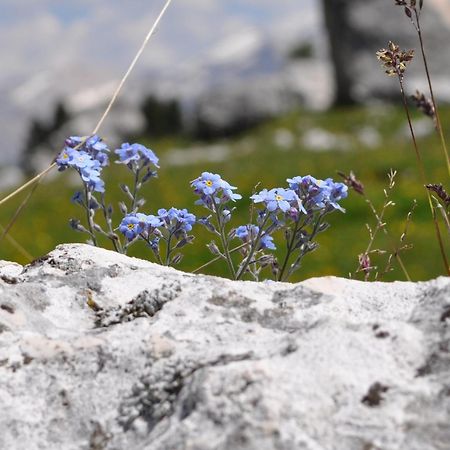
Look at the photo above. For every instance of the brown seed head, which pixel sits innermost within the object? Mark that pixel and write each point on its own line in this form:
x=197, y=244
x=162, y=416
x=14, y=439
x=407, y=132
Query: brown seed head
x=394, y=60
x=440, y=192
x=409, y=3
x=424, y=104
x=365, y=265
x=352, y=182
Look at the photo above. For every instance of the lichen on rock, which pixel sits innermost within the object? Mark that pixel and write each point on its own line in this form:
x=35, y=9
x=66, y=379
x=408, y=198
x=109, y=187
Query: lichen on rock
x=100, y=351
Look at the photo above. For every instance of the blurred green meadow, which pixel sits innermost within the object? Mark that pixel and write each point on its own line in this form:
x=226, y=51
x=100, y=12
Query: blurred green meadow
x=368, y=140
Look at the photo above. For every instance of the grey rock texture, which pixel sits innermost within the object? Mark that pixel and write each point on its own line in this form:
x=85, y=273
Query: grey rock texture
x=100, y=351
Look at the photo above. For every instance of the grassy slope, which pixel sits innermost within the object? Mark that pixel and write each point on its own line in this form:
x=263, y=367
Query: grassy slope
x=255, y=157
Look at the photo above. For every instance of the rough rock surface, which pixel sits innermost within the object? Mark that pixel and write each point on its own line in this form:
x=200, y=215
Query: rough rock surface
x=99, y=351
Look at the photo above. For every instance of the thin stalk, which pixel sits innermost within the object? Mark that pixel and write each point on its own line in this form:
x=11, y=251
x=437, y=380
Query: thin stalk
x=218, y=258
x=430, y=86
x=108, y=108
x=116, y=243
x=158, y=256
x=5, y=230
x=422, y=174
x=400, y=262
x=131, y=67
x=441, y=245
x=41, y=175
x=168, y=249
x=445, y=217
x=396, y=252
x=88, y=196
x=223, y=239
x=288, y=251
x=302, y=254
x=413, y=134
x=253, y=274
x=255, y=244
x=37, y=181
x=379, y=217
x=15, y=244
x=398, y=247
x=135, y=189
x=27, y=184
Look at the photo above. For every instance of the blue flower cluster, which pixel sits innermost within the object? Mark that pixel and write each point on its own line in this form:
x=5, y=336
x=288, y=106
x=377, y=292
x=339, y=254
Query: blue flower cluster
x=306, y=203
x=318, y=194
x=248, y=233
x=136, y=153
x=138, y=224
x=170, y=226
x=178, y=222
x=298, y=210
x=305, y=194
x=213, y=190
x=88, y=156
x=278, y=199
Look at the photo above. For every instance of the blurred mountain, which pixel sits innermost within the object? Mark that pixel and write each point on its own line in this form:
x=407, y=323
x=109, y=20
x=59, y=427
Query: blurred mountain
x=225, y=81
x=246, y=77
x=74, y=53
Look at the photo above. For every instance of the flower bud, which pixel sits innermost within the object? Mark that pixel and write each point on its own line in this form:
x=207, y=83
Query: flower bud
x=226, y=213
x=212, y=247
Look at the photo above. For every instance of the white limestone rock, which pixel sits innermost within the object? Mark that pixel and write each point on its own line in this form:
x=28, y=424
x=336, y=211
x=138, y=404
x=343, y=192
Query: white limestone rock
x=100, y=351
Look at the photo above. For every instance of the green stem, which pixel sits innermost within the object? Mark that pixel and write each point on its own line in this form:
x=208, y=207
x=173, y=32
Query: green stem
x=441, y=245
x=135, y=189
x=116, y=243
x=168, y=249
x=385, y=231
x=255, y=245
x=217, y=258
x=15, y=216
x=223, y=239
x=411, y=129
x=424, y=182
x=430, y=86
x=446, y=218
x=88, y=196
x=158, y=256
x=289, y=251
x=303, y=253
x=380, y=225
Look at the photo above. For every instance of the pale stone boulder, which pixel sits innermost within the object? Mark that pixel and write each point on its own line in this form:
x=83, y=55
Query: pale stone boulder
x=100, y=351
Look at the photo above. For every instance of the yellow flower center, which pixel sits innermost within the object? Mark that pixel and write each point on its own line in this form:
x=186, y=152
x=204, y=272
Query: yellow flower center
x=208, y=183
x=130, y=226
x=65, y=156
x=278, y=197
